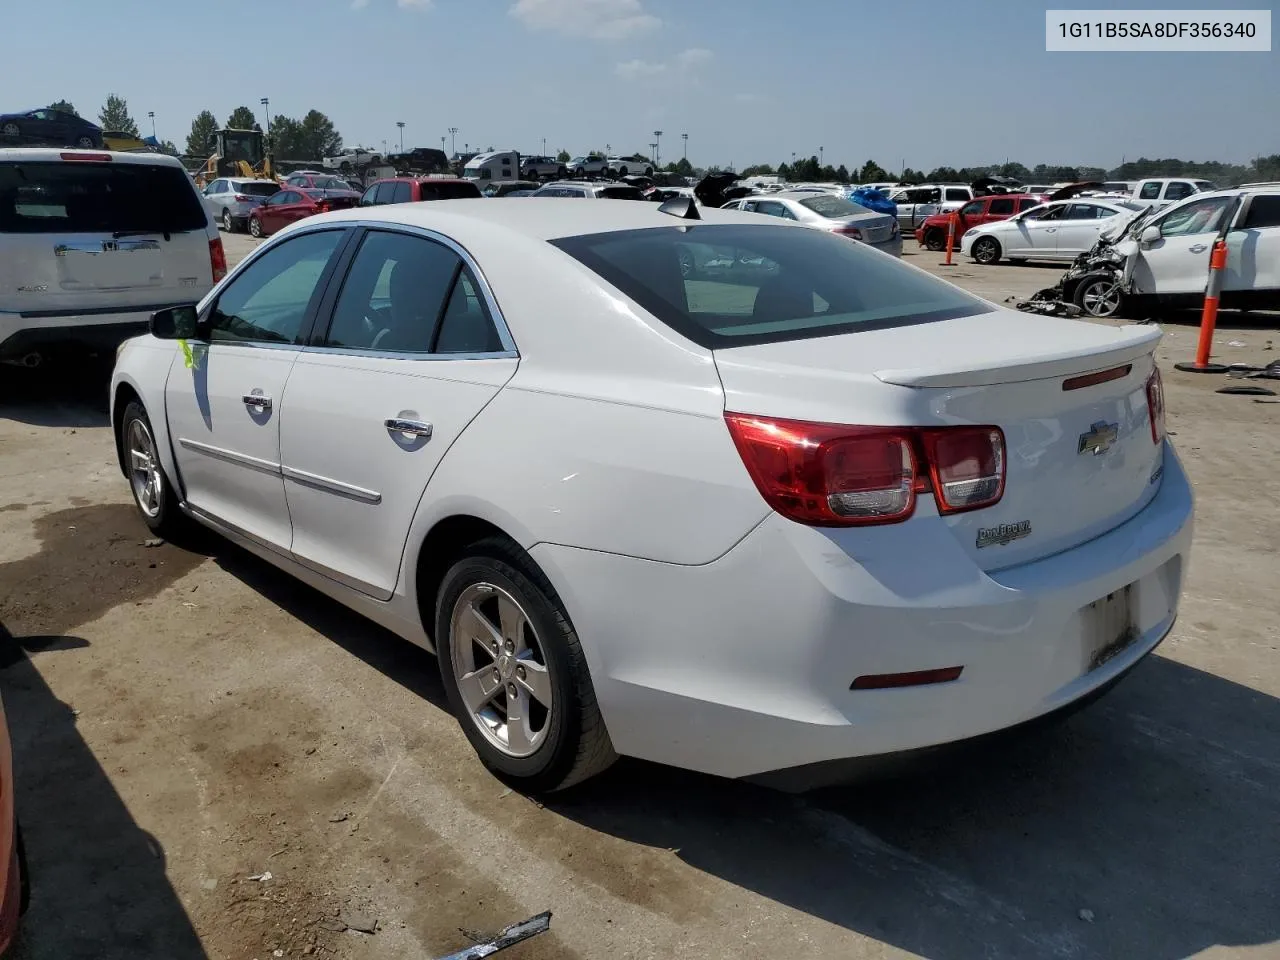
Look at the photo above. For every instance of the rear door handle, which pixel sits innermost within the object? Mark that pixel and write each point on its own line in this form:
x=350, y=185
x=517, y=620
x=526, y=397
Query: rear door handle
x=1198, y=248
x=263, y=403
x=409, y=428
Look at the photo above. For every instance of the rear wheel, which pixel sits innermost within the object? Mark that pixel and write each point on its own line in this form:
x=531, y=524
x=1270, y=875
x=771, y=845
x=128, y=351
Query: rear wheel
x=85, y=143
x=11, y=130
x=152, y=493
x=622, y=171
x=228, y=221
x=986, y=250
x=1099, y=295
x=935, y=239
x=579, y=172
x=515, y=673
x=255, y=227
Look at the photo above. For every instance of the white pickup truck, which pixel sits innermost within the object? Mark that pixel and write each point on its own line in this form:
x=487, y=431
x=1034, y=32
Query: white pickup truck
x=1161, y=191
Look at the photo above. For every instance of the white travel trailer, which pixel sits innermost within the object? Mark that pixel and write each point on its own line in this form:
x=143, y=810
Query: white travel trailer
x=493, y=167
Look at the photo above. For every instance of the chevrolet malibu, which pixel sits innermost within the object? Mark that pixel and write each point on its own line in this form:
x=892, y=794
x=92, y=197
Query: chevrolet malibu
x=686, y=484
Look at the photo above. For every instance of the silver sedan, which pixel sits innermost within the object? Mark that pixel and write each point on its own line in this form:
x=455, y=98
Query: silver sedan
x=833, y=214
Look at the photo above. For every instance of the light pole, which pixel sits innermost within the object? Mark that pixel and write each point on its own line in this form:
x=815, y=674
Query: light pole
x=384, y=148
x=685, y=138
x=657, y=147
x=544, y=146
x=821, y=159
x=653, y=153
x=453, y=132
x=400, y=124
x=152, y=115
x=444, y=142
x=266, y=109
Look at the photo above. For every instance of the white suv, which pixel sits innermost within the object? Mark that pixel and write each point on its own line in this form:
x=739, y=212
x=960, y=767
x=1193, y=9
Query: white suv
x=92, y=243
x=232, y=199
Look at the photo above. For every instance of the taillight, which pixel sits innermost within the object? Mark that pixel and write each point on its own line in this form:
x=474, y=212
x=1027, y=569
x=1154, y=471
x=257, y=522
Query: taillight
x=217, y=259
x=966, y=465
x=1155, y=404
x=86, y=157
x=831, y=475
x=852, y=232
x=323, y=206
x=243, y=199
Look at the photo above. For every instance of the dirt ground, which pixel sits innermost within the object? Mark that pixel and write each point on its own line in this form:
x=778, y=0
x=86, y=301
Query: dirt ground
x=187, y=722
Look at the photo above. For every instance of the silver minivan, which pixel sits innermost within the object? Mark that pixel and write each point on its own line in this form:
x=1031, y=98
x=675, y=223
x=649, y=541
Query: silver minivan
x=92, y=242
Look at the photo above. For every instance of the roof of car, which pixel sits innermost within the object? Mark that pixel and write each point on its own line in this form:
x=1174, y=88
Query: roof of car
x=47, y=154
x=552, y=219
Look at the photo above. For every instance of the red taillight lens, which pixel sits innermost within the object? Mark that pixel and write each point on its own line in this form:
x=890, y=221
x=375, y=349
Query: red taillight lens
x=1155, y=404
x=87, y=157
x=852, y=232
x=967, y=466
x=831, y=475
x=322, y=206
x=826, y=474
x=217, y=259
x=243, y=199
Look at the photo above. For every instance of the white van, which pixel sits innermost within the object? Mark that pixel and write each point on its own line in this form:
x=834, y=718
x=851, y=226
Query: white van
x=92, y=243
x=493, y=167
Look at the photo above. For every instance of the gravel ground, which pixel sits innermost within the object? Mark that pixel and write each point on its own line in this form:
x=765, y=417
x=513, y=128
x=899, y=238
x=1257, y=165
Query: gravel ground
x=186, y=720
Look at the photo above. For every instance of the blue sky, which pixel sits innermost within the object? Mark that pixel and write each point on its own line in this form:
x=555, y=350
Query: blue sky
x=928, y=82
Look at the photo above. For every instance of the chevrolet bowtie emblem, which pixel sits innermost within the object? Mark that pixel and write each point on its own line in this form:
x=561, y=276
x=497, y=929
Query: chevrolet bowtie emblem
x=1099, y=438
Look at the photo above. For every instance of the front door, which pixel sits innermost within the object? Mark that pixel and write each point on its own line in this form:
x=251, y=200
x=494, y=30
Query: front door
x=224, y=411
x=1035, y=234
x=410, y=357
x=1177, y=264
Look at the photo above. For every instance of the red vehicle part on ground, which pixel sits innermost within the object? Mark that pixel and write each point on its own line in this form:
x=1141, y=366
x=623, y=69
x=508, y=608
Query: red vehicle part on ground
x=932, y=234
x=291, y=205
x=13, y=898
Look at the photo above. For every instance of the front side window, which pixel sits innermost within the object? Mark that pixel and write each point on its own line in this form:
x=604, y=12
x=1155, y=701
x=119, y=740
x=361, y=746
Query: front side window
x=726, y=285
x=955, y=194
x=401, y=192
x=267, y=301
x=1198, y=216
x=1178, y=190
x=394, y=294
x=971, y=209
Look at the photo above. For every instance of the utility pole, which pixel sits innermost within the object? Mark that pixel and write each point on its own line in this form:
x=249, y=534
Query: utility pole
x=685, y=138
x=544, y=146
x=266, y=109
x=822, y=162
x=657, y=147
x=152, y=115
x=400, y=124
x=453, y=132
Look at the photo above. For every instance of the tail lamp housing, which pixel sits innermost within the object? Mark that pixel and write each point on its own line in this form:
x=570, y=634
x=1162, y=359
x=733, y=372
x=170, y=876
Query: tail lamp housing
x=1155, y=404
x=834, y=475
x=217, y=259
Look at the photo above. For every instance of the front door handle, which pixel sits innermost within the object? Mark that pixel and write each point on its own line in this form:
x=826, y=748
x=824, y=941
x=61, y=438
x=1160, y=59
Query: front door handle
x=1198, y=248
x=408, y=428
x=258, y=400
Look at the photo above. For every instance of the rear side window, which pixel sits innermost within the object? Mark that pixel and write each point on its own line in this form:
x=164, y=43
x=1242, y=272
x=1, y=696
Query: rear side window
x=1026, y=203
x=401, y=192
x=954, y=194
x=449, y=191
x=1150, y=191
x=1178, y=190
x=1001, y=207
x=1264, y=211
x=78, y=197
x=725, y=285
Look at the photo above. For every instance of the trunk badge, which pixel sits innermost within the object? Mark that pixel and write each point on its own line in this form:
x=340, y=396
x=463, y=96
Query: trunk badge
x=1099, y=439
x=1004, y=534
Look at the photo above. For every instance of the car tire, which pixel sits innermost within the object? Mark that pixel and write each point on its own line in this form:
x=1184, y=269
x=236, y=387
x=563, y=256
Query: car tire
x=935, y=240
x=228, y=221
x=255, y=228
x=11, y=130
x=579, y=172
x=1099, y=295
x=564, y=741
x=153, y=495
x=344, y=166
x=986, y=250
x=562, y=173
x=85, y=143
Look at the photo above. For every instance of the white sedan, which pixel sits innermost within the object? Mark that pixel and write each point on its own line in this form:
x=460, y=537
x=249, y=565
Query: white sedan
x=803, y=504
x=1061, y=230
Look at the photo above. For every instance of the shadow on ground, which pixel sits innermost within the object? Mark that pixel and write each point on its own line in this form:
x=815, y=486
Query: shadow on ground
x=1155, y=812
x=99, y=890
x=69, y=393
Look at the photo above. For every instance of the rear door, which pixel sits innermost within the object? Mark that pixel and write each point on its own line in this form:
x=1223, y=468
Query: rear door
x=93, y=236
x=412, y=354
x=1177, y=264
x=1253, y=250
x=224, y=411
x=997, y=208
x=1080, y=227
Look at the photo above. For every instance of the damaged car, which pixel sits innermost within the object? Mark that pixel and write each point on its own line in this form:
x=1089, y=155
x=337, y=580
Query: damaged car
x=1159, y=258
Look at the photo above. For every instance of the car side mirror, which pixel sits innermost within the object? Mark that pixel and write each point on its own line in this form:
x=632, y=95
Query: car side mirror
x=1150, y=235
x=175, y=323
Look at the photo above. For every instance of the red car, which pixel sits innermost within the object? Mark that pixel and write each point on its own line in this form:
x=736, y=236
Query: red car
x=932, y=234
x=411, y=190
x=13, y=876
x=290, y=205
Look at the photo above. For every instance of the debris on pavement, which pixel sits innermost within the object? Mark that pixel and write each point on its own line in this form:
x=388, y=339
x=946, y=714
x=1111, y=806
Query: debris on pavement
x=339, y=817
x=1086, y=915
x=1248, y=389
x=261, y=877
x=332, y=924
x=361, y=922
x=509, y=937
x=154, y=542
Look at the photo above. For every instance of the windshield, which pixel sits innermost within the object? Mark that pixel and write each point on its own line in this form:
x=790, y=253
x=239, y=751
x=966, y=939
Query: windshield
x=243, y=146
x=829, y=205
x=621, y=193
x=725, y=285
x=97, y=198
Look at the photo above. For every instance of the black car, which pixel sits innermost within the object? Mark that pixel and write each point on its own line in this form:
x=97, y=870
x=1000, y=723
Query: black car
x=49, y=127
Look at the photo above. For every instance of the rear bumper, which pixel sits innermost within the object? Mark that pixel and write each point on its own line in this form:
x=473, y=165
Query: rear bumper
x=22, y=335
x=743, y=666
x=892, y=246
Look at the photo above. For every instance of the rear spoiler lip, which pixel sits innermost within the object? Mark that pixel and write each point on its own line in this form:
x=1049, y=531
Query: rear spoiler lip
x=1140, y=342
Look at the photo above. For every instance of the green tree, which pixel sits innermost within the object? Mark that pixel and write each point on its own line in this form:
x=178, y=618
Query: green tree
x=319, y=137
x=203, y=128
x=169, y=147
x=842, y=173
x=115, y=116
x=1015, y=170
x=65, y=106
x=758, y=170
x=784, y=172
x=910, y=176
x=242, y=118
x=286, y=139
x=563, y=156
x=944, y=174
x=872, y=172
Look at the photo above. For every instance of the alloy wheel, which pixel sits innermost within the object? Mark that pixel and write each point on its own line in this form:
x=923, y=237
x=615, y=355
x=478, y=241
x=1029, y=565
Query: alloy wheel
x=501, y=670
x=144, y=469
x=1100, y=298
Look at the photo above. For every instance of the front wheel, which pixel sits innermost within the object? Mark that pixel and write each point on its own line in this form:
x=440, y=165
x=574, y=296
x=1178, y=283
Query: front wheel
x=85, y=143
x=622, y=171
x=255, y=228
x=152, y=493
x=1099, y=295
x=935, y=240
x=11, y=130
x=515, y=673
x=986, y=250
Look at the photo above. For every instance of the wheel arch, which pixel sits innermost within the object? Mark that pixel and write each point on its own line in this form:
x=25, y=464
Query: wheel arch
x=137, y=366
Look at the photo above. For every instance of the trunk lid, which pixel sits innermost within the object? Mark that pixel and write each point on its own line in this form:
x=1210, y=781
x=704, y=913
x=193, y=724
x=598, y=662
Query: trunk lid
x=1080, y=458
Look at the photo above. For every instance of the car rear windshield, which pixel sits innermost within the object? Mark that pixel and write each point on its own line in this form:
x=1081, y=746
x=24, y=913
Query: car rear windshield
x=725, y=285
x=257, y=189
x=832, y=206
x=81, y=197
x=622, y=193
x=448, y=191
